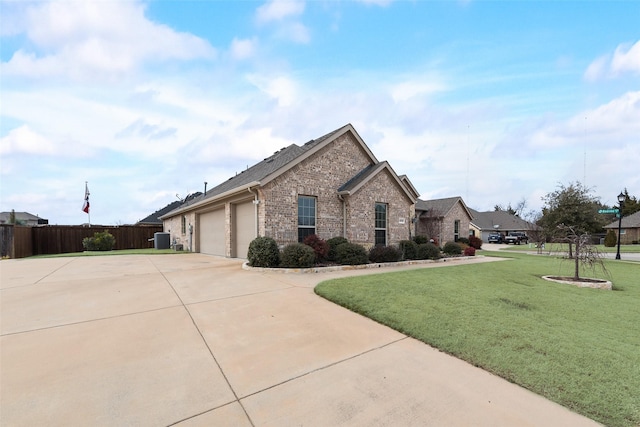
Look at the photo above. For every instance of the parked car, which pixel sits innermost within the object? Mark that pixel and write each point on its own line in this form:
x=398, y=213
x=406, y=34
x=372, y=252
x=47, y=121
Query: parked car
x=516, y=237
x=495, y=238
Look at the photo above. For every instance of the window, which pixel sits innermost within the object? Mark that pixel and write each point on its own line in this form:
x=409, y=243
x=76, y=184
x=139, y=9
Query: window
x=184, y=224
x=456, y=230
x=381, y=224
x=306, y=217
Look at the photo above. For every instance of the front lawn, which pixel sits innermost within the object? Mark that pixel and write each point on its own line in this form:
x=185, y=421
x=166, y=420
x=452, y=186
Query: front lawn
x=563, y=247
x=576, y=346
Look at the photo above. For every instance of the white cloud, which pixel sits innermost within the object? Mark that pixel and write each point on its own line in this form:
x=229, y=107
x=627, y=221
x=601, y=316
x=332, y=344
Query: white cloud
x=376, y=2
x=296, y=32
x=243, y=48
x=276, y=10
x=281, y=88
x=86, y=39
x=625, y=59
x=409, y=89
x=25, y=140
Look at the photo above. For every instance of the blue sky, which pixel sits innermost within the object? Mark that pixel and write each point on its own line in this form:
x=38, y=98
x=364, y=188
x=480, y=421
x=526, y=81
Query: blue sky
x=494, y=101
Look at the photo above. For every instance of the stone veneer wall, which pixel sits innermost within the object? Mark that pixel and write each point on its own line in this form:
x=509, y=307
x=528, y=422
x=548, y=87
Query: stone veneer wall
x=320, y=176
x=457, y=213
x=173, y=226
x=361, y=211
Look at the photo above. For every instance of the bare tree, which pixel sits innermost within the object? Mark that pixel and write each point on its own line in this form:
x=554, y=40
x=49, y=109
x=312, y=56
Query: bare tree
x=586, y=254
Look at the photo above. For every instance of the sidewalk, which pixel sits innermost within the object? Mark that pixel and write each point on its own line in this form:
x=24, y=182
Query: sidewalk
x=194, y=340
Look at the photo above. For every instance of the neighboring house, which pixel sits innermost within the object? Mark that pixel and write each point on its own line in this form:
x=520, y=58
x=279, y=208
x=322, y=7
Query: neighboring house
x=444, y=220
x=23, y=218
x=330, y=186
x=485, y=223
x=629, y=229
x=154, y=218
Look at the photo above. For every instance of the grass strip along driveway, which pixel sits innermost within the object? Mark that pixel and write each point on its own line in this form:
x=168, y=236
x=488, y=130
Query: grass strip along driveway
x=576, y=346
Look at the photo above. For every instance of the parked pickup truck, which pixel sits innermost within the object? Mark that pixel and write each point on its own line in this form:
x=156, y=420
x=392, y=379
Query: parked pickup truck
x=516, y=237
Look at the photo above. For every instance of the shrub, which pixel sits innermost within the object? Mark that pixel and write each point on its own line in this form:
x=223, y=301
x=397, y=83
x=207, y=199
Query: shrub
x=452, y=248
x=384, y=254
x=475, y=242
x=420, y=239
x=320, y=247
x=610, y=240
x=428, y=251
x=263, y=252
x=463, y=240
x=408, y=249
x=101, y=241
x=297, y=255
x=351, y=254
x=333, y=243
x=469, y=251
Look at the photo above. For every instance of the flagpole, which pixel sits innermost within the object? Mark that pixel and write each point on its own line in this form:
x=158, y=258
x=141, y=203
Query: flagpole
x=86, y=185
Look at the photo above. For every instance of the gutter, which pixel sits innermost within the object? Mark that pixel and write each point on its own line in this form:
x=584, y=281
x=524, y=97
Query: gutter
x=344, y=215
x=207, y=201
x=256, y=202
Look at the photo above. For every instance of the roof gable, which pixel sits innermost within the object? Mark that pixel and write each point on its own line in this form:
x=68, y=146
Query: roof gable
x=368, y=173
x=441, y=207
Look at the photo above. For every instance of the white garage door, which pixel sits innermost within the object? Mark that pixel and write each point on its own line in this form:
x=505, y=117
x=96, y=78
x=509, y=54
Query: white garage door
x=212, y=233
x=244, y=228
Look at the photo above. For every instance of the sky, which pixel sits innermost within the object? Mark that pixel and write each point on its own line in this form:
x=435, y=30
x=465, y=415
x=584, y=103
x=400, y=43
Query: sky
x=493, y=101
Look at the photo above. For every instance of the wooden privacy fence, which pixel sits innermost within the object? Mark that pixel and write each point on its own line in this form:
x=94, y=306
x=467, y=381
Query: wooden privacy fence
x=20, y=241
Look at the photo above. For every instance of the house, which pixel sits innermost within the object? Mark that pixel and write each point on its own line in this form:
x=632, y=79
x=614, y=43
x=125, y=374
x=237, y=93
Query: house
x=503, y=222
x=23, y=218
x=629, y=229
x=444, y=220
x=330, y=186
x=154, y=218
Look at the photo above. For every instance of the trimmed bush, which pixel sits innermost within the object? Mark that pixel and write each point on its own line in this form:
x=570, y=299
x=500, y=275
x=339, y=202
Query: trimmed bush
x=333, y=243
x=408, y=249
x=475, y=242
x=420, y=239
x=384, y=254
x=428, y=251
x=320, y=247
x=351, y=254
x=263, y=252
x=101, y=241
x=297, y=255
x=452, y=248
x=610, y=240
x=469, y=251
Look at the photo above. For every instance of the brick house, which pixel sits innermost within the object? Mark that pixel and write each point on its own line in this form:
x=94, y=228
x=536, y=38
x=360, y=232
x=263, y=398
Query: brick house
x=444, y=220
x=330, y=186
x=629, y=230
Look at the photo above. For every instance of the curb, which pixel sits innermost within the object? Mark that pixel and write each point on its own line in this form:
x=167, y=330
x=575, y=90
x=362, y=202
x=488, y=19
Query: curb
x=246, y=266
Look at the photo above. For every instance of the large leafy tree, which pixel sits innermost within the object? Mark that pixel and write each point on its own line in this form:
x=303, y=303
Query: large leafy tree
x=572, y=205
x=630, y=205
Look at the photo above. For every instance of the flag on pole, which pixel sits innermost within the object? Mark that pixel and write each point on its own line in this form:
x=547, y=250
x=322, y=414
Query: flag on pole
x=85, y=206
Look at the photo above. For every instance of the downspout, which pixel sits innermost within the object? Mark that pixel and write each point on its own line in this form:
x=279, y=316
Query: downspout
x=344, y=215
x=256, y=202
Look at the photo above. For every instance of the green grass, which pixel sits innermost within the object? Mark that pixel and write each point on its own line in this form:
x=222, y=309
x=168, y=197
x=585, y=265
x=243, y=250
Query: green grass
x=576, y=346
x=148, y=251
x=563, y=247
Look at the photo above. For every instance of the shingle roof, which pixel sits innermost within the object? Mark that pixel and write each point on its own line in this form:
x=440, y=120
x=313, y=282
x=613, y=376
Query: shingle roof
x=154, y=218
x=499, y=220
x=263, y=169
x=630, y=221
x=439, y=206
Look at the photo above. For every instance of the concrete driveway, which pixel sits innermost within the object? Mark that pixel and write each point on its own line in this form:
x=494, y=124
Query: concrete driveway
x=194, y=340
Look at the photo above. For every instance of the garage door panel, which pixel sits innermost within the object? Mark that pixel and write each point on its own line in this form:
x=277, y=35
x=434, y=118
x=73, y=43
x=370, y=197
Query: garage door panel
x=244, y=228
x=212, y=234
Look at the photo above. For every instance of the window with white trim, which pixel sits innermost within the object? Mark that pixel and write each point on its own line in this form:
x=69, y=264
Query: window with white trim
x=381, y=224
x=306, y=216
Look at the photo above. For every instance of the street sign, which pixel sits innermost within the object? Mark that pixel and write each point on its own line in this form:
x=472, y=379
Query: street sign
x=609, y=211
